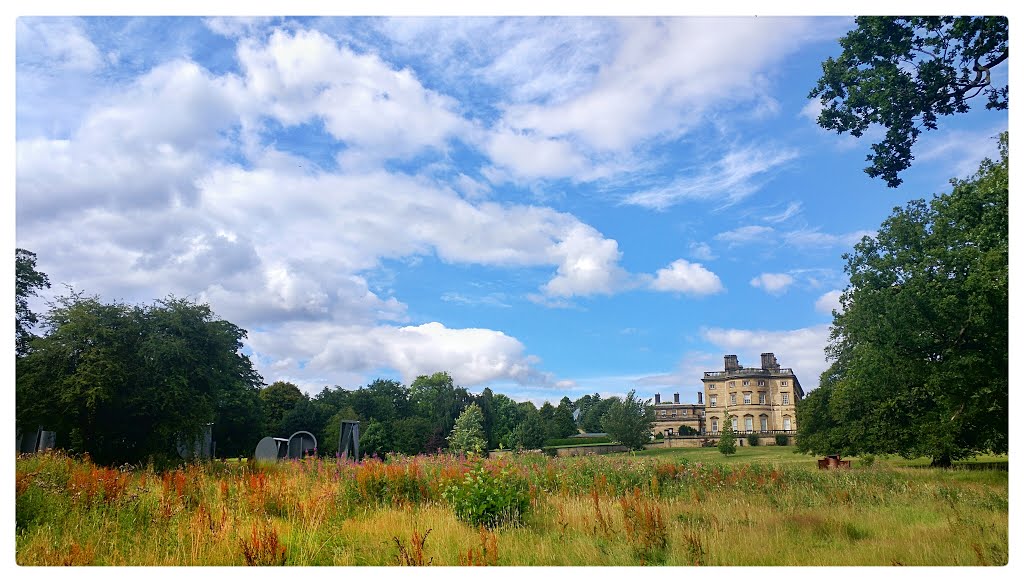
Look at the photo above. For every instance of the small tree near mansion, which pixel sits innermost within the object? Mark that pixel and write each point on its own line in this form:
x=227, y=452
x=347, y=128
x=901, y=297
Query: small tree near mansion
x=629, y=421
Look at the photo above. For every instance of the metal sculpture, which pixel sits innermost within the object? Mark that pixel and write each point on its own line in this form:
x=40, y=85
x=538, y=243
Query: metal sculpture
x=201, y=447
x=348, y=439
x=300, y=444
x=36, y=442
x=271, y=449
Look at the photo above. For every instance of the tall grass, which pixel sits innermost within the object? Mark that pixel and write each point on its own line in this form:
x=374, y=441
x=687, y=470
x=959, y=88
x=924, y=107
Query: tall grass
x=684, y=508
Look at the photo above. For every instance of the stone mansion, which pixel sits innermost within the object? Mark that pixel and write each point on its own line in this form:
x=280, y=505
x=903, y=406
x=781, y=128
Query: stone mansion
x=758, y=400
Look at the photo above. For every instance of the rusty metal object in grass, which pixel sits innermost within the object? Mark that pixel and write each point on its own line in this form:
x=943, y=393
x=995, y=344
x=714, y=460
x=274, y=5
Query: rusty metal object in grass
x=833, y=462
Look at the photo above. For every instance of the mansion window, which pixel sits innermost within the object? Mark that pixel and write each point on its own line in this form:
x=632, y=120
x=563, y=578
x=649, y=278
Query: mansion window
x=714, y=425
x=760, y=398
x=684, y=412
x=785, y=382
x=714, y=401
x=732, y=398
x=748, y=423
x=760, y=382
x=732, y=384
x=711, y=386
x=785, y=398
x=735, y=424
x=746, y=398
x=746, y=382
x=764, y=424
x=785, y=423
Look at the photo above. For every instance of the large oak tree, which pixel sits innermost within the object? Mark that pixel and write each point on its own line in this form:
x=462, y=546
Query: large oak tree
x=920, y=346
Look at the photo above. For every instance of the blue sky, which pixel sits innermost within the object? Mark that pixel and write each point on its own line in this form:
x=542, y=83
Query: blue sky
x=545, y=206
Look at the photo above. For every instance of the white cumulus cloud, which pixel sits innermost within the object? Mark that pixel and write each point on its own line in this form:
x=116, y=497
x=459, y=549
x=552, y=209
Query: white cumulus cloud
x=685, y=277
x=773, y=283
x=829, y=302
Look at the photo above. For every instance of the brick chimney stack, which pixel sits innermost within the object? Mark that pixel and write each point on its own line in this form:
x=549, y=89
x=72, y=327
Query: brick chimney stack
x=657, y=398
x=768, y=362
x=700, y=398
x=675, y=398
x=732, y=363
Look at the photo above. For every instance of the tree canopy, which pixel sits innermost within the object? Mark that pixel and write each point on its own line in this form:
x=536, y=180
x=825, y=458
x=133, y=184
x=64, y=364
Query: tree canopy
x=902, y=73
x=919, y=349
x=629, y=421
x=126, y=383
x=27, y=282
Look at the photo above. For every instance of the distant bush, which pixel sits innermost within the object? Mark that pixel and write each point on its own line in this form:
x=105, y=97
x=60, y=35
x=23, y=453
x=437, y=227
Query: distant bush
x=781, y=440
x=753, y=440
x=659, y=436
x=867, y=460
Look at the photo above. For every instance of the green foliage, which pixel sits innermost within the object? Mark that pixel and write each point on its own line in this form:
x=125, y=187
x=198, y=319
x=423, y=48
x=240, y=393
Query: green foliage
x=277, y=400
x=562, y=420
x=126, y=383
x=904, y=72
x=592, y=409
x=920, y=348
x=488, y=499
x=27, y=282
x=311, y=416
x=781, y=439
x=437, y=399
x=629, y=421
x=507, y=415
x=659, y=435
x=529, y=433
x=468, y=434
x=727, y=440
x=753, y=439
x=687, y=430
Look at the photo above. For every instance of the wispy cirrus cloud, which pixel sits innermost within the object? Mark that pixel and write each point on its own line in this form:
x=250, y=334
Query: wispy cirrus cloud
x=745, y=234
x=735, y=176
x=792, y=209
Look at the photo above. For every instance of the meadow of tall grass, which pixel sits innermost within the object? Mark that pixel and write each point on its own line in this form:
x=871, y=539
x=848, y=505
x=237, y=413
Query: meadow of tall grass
x=669, y=508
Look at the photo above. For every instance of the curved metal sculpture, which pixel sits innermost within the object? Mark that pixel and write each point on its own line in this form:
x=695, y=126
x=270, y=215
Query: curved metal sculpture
x=271, y=449
x=300, y=444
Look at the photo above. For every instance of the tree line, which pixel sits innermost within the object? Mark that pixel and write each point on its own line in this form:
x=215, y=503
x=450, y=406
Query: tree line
x=128, y=383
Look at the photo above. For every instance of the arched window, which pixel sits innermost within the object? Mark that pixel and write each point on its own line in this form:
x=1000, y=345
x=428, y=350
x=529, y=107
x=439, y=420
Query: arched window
x=748, y=423
x=764, y=423
x=786, y=424
x=714, y=424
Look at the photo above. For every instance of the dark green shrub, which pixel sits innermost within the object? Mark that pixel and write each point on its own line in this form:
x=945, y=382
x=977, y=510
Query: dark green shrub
x=781, y=440
x=753, y=439
x=483, y=498
x=659, y=436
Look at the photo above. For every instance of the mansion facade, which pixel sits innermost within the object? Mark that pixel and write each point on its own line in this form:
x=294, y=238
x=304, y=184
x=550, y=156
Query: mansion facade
x=753, y=400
